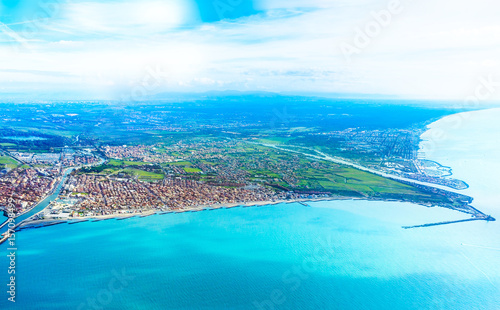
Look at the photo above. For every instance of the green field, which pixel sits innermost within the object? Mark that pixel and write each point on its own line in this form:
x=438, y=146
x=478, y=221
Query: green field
x=114, y=167
x=8, y=162
x=274, y=140
x=143, y=175
x=192, y=170
x=5, y=144
x=123, y=163
x=180, y=163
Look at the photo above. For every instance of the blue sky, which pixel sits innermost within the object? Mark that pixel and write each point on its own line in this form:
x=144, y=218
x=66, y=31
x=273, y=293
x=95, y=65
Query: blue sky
x=112, y=49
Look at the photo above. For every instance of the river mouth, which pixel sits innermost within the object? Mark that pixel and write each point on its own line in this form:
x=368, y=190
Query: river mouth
x=42, y=204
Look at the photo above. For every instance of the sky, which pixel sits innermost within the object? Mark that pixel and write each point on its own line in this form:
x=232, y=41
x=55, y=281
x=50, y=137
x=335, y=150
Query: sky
x=134, y=49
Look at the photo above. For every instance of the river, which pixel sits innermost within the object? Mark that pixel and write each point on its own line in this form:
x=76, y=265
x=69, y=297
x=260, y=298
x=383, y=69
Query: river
x=47, y=200
x=42, y=204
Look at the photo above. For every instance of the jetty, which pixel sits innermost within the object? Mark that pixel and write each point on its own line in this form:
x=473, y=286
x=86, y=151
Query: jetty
x=77, y=221
x=37, y=224
x=482, y=218
x=6, y=236
x=124, y=218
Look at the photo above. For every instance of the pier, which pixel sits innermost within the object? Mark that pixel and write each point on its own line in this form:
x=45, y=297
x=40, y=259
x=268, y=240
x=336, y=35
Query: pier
x=124, y=218
x=483, y=218
x=5, y=237
x=37, y=224
x=77, y=221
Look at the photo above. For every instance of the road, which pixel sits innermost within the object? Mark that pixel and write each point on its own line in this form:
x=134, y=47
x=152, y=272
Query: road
x=341, y=161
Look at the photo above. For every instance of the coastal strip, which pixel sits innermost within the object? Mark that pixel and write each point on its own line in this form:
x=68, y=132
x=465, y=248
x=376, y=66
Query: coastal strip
x=29, y=223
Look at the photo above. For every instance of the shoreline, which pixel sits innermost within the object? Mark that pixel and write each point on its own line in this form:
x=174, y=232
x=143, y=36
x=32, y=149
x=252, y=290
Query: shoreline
x=27, y=224
x=200, y=208
x=123, y=216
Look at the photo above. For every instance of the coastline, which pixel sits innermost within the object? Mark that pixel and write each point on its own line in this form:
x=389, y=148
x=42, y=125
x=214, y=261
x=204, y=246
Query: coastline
x=124, y=214
x=470, y=147
x=27, y=224
x=121, y=216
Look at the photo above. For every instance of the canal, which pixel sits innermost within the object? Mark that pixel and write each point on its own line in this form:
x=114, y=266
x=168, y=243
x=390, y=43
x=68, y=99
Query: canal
x=42, y=204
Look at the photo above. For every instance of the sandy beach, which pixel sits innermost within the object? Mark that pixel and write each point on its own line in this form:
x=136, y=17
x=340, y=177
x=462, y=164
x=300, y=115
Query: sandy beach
x=121, y=216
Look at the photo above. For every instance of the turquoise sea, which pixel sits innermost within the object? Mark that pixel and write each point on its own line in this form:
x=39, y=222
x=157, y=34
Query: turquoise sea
x=332, y=255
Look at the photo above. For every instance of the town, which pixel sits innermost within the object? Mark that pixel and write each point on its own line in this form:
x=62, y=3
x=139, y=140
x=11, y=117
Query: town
x=191, y=174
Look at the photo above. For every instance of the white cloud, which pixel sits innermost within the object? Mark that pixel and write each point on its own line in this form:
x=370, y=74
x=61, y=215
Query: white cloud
x=430, y=50
x=127, y=17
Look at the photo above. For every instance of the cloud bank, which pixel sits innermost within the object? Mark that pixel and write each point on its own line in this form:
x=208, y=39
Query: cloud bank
x=104, y=49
